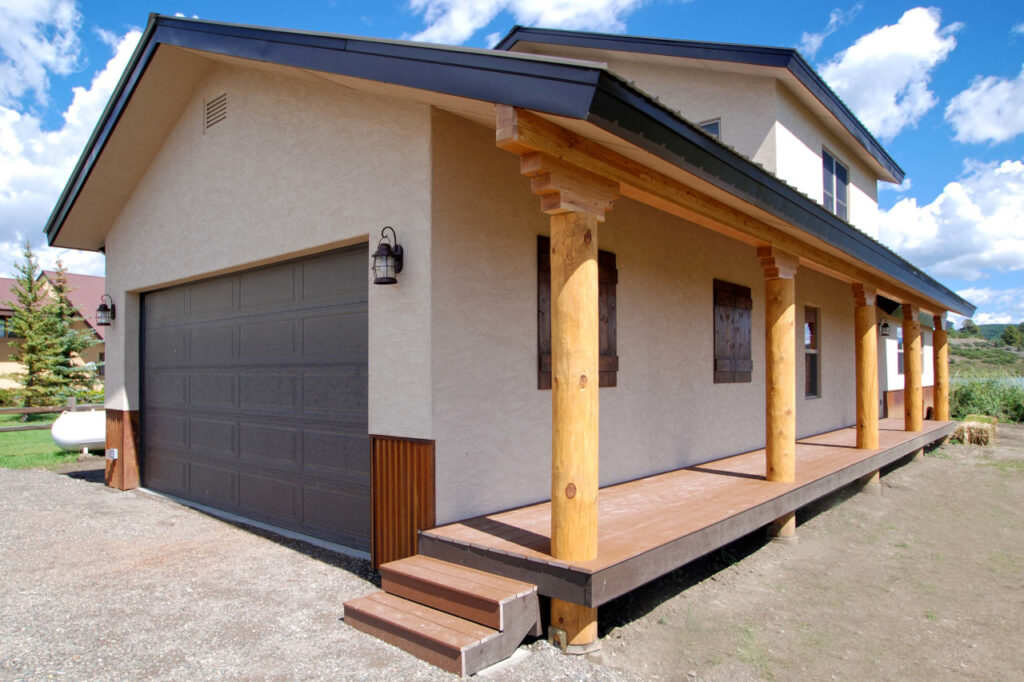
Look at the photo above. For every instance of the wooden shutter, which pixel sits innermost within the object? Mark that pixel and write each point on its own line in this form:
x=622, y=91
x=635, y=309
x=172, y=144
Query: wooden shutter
x=608, y=279
x=732, y=307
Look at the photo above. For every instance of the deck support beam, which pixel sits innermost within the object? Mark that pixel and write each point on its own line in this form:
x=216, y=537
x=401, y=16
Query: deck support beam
x=940, y=356
x=866, y=333
x=780, y=370
x=913, y=399
x=576, y=200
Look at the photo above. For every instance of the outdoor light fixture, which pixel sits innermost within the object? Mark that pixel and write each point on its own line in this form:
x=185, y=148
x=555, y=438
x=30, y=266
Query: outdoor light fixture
x=105, y=313
x=387, y=259
x=885, y=330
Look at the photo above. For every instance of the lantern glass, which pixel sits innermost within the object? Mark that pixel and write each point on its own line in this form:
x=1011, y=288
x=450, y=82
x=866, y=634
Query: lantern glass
x=384, y=265
x=103, y=315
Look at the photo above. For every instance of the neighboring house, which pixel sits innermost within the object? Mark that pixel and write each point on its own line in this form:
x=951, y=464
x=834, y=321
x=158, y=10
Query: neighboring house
x=85, y=296
x=240, y=179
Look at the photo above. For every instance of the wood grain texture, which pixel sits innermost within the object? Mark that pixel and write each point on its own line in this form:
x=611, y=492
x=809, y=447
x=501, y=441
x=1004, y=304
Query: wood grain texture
x=940, y=355
x=522, y=132
x=574, y=390
x=866, y=354
x=913, y=405
x=403, y=496
x=780, y=380
x=123, y=434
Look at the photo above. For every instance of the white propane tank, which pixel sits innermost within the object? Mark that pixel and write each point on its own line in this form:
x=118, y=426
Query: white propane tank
x=80, y=430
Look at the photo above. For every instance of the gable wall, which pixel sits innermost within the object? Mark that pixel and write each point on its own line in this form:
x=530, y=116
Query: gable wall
x=297, y=167
x=491, y=422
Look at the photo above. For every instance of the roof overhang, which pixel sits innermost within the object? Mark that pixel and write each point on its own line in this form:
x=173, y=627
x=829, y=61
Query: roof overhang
x=784, y=64
x=175, y=54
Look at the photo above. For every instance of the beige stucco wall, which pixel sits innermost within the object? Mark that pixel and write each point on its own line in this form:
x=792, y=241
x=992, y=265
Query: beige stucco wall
x=744, y=103
x=888, y=356
x=492, y=424
x=297, y=167
x=800, y=138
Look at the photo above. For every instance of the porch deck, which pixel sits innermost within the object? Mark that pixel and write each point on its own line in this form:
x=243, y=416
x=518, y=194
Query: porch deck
x=654, y=525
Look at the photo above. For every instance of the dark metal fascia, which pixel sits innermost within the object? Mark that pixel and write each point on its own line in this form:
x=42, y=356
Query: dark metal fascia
x=556, y=88
x=626, y=113
x=779, y=57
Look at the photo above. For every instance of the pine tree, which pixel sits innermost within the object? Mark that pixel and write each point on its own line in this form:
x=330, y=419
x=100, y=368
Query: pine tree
x=74, y=375
x=36, y=335
x=1011, y=336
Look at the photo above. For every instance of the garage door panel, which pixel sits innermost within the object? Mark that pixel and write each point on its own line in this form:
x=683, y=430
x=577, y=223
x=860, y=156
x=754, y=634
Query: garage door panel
x=270, y=339
x=213, y=484
x=214, y=390
x=255, y=392
x=270, y=496
x=217, y=437
x=212, y=299
x=335, y=453
x=276, y=444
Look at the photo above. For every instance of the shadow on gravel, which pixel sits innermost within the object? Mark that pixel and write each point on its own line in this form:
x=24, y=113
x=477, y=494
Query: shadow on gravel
x=88, y=475
x=641, y=601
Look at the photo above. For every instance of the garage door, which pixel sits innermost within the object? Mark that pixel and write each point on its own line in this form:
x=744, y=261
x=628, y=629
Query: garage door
x=254, y=395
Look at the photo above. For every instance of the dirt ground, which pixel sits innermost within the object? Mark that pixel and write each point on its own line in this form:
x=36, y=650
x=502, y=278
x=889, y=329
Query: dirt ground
x=922, y=581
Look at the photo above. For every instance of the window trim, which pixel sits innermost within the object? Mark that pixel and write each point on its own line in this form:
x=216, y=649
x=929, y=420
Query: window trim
x=814, y=351
x=829, y=198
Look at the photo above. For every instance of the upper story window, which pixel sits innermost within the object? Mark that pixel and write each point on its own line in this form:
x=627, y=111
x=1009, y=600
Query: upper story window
x=712, y=128
x=835, y=177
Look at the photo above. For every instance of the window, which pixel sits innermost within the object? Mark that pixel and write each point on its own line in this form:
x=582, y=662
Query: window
x=5, y=328
x=712, y=128
x=607, y=279
x=733, y=362
x=812, y=358
x=899, y=350
x=102, y=370
x=836, y=178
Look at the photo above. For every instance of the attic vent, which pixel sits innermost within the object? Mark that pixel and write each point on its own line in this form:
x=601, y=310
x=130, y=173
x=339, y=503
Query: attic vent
x=216, y=111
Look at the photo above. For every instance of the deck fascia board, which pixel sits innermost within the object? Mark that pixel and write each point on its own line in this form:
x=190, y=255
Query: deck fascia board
x=599, y=583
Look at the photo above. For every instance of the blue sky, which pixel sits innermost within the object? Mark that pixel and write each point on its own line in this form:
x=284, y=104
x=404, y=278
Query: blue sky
x=942, y=86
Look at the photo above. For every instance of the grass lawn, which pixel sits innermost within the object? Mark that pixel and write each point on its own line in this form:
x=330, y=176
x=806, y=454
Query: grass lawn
x=30, y=449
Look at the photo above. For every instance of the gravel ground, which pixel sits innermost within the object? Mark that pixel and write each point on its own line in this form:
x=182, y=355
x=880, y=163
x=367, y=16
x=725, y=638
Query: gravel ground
x=103, y=585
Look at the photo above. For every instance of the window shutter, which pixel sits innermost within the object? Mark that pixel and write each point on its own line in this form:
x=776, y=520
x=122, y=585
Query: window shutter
x=608, y=279
x=732, y=306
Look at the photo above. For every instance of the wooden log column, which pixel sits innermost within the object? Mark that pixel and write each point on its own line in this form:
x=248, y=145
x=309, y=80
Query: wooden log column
x=577, y=201
x=913, y=399
x=866, y=350
x=780, y=374
x=940, y=356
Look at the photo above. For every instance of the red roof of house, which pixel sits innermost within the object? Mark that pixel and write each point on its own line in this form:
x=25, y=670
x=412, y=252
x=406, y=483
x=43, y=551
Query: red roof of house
x=85, y=296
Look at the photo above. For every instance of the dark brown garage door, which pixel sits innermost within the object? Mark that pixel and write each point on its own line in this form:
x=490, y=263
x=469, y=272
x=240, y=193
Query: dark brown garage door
x=255, y=394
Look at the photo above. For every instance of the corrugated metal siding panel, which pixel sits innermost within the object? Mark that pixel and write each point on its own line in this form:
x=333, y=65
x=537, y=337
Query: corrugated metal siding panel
x=403, y=495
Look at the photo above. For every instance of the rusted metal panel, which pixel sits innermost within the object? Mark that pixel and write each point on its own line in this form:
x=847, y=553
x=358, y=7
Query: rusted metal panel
x=403, y=495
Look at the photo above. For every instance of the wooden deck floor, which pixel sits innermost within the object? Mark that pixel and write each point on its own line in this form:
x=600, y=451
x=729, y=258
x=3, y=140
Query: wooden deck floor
x=653, y=525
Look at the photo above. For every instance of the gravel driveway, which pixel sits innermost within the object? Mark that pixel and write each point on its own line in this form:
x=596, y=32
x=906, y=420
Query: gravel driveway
x=104, y=585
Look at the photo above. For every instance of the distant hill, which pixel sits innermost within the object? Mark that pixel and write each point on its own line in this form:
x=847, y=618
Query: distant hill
x=992, y=331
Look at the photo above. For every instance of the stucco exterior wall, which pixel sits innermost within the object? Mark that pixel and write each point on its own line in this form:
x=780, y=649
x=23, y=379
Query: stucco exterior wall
x=800, y=139
x=297, y=168
x=744, y=103
x=890, y=378
x=492, y=424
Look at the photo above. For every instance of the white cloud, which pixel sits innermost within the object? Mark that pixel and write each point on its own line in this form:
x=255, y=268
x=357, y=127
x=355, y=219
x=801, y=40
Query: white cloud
x=884, y=75
x=37, y=37
x=1006, y=305
x=1019, y=28
x=901, y=188
x=35, y=163
x=976, y=224
x=990, y=110
x=810, y=43
x=455, y=21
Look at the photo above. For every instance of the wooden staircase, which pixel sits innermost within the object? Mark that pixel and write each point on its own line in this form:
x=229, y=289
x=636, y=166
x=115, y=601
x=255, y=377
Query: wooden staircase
x=460, y=619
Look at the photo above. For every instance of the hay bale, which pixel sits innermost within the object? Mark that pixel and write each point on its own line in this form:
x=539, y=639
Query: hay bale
x=974, y=433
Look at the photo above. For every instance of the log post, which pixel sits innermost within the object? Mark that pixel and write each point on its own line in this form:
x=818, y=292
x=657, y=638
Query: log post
x=913, y=405
x=577, y=201
x=780, y=374
x=866, y=337
x=940, y=356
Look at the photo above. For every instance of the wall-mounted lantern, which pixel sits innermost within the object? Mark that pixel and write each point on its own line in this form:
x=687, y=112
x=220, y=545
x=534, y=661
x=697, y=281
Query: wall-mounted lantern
x=105, y=313
x=387, y=259
x=884, y=330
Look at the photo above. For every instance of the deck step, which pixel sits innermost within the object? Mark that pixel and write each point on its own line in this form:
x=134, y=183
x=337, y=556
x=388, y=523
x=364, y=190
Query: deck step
x=460, y=619
x=461, y=591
